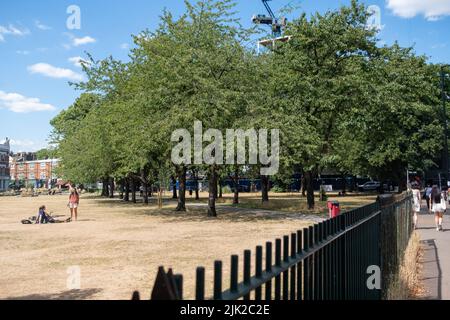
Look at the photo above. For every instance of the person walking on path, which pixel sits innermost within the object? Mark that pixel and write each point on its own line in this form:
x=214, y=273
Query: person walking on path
x=428, y=190
x=438, y=206
x=444, y=195
x=448, y=192
x=74, y=200
x=416, y=202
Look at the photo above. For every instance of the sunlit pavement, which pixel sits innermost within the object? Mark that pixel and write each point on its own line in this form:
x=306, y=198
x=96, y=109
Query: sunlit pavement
x=436, y=255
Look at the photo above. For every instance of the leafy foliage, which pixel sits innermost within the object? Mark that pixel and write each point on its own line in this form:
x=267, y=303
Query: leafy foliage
x=340, y=101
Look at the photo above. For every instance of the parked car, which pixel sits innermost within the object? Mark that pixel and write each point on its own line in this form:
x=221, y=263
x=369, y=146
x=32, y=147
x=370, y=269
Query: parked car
x=369, y=186
x=16, y=187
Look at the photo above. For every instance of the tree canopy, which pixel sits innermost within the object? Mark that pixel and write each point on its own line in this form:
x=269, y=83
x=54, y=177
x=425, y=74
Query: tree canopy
x=339, y=100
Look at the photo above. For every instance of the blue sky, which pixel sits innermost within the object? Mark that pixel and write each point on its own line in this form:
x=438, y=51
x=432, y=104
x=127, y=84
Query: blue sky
x=37, y=50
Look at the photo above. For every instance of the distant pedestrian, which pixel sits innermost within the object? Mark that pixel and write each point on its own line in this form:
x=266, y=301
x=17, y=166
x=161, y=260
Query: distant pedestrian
x=438, y=206
x=74, y=201
x=448, y=192
x=444, y=194
x=427, y=194
x=417, y=201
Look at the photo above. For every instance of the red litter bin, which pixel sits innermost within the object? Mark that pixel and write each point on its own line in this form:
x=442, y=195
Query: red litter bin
x=333, y=209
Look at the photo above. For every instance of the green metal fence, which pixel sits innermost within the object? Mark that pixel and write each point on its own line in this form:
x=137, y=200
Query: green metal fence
x=396, y=229
x=331, y=260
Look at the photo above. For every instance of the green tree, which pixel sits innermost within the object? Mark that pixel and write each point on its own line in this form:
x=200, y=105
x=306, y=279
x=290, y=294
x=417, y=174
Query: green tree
x=399, y=126
x=46, y=153
x=319, y=73
x=199, y=61
x=68, y=121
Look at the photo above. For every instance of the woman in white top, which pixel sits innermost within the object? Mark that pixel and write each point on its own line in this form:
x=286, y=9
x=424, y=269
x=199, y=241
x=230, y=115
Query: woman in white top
x=416, y=202
x=438, y=206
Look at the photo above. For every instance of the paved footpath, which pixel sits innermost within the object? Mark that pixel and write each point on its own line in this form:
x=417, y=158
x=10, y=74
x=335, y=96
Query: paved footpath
x=436, y=257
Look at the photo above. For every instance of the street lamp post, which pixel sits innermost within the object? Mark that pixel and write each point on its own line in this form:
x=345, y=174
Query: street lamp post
x=444, y=98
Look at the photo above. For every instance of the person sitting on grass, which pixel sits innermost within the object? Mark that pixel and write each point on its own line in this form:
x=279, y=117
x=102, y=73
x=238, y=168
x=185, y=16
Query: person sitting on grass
x=42, y=216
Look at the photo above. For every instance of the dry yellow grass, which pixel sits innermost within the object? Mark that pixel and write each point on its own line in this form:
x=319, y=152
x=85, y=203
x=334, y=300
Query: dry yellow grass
x=119, y=246
x=406, y=284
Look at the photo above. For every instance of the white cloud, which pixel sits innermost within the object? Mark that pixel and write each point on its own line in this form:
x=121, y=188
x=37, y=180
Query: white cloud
x=13, y=31
x=21, y=104
x=41, y=26
x=26, y=145
x=82, y=41
x=432, y=10
x=124, y=46
x=23, y=52
x=54, y=72
x=76, y=42
x=76, y=61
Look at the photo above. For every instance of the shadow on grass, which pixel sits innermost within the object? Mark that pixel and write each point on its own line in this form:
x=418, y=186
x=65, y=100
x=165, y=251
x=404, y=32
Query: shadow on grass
x=197, y=211
x=117, y=202
x=65, y=295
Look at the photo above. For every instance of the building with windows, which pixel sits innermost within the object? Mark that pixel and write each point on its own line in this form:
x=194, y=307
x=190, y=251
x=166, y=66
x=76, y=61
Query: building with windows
x=39, y=173
x=24, y=156
x=4, y=165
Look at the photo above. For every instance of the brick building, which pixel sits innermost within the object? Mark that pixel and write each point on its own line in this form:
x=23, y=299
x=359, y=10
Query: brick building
x=40, y=173
x=4, y=165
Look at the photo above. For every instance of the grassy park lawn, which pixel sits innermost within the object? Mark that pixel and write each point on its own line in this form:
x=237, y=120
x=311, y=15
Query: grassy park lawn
x=292, y=202
x=118, y=246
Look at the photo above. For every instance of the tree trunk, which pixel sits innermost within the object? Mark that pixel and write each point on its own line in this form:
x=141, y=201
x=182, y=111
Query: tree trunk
x=160, y=199
x=220, y=189
x=111, y=188
x=344, y=185
x=195, y=176
x=121, y=189
x=174, y=183
x=353, y=186
x=212, y=186
x=104, y=187
x=236, y=186
x=400, y=173
x=216, y=189
x=144, y=183
x=197, y=196
x=402, y=186
x=265, y=188
x=145, y=190
x=309, y=189
x=303, y=186
x=181, y=171
x=133, y=190
x=126, y=196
